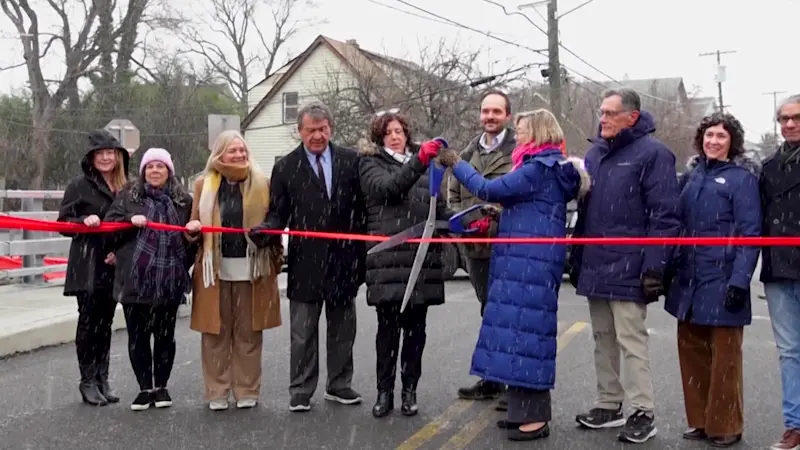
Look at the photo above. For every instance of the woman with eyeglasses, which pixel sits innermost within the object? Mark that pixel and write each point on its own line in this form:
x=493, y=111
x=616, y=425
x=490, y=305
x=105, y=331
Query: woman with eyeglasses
x=517, y=341
x=394, y=180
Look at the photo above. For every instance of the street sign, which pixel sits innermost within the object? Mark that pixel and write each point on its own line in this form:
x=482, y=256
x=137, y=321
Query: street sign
x=217, y=123
x=126, y=133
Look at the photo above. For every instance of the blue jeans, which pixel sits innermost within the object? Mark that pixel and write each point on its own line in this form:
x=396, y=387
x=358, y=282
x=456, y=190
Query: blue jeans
x=783, y=300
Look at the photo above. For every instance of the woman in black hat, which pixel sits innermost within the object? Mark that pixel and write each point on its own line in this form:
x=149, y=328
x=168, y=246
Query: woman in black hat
x=90, y=270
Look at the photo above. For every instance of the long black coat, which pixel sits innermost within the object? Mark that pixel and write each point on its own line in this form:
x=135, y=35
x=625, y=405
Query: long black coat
x=87, y=194
x=319, y=269
x=397, y=197
x=780, y=200
x=128, y=204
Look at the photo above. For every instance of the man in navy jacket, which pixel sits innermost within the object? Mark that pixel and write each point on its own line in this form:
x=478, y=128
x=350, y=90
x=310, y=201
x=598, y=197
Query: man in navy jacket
x=634, y=194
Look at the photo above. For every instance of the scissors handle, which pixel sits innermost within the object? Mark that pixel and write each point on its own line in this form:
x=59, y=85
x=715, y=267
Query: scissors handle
x=436, y=172
x=460, y=221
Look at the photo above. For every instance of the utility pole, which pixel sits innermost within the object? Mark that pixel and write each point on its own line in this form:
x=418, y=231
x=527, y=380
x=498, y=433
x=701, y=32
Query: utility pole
x=720, y=73
x=554, y=70
x=774, y=95
x=554, y=61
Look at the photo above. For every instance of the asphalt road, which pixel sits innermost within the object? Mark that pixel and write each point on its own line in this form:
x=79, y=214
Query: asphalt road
x=41, y=409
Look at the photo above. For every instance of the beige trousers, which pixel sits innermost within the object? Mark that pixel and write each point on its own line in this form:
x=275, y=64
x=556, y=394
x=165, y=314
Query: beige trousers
x=232, y=358
x=621, y=348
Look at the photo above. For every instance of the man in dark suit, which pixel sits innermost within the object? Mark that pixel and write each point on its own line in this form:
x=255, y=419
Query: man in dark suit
x=316, y=188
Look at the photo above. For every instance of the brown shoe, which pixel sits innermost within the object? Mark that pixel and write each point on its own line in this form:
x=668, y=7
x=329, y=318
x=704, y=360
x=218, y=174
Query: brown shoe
x=789, y=441
x=724, y=441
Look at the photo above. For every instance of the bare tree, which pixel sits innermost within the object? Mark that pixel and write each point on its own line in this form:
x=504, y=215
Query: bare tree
x=436, y=92
x=247, y=43
x=82, y=46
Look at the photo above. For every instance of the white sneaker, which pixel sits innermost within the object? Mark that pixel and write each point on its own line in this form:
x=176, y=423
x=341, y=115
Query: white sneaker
x=219, y=404
x=246, y=403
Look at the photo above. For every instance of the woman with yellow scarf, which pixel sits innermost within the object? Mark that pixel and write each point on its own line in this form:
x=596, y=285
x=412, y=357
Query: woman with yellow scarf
x=235, y=285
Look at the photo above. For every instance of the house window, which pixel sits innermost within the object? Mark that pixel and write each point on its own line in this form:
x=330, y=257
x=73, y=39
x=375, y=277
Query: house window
x=290, y=107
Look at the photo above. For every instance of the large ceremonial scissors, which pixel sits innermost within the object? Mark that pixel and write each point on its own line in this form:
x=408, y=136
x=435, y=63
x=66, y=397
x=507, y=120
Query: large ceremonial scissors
x=426, y=229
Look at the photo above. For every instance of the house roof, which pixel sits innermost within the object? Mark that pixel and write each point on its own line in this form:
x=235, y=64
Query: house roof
x=671, y=89
x=349, y=52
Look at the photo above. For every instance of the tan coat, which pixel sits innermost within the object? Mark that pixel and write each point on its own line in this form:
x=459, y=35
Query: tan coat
x=205, y=300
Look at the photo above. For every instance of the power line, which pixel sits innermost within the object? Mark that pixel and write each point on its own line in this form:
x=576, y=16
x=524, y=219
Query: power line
x=475, y=83
x=578, y=57
x=774, y=95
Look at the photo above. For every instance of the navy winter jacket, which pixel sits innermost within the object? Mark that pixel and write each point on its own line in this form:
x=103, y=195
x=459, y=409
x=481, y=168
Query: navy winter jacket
x=718, y=199
x=634, y=194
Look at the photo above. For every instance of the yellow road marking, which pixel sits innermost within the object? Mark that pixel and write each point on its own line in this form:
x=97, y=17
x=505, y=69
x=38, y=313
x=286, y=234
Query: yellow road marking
x=433, y=428
x=471, y=430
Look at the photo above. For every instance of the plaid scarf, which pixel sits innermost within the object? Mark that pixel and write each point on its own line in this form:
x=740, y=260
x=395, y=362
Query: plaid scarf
x=159, y=271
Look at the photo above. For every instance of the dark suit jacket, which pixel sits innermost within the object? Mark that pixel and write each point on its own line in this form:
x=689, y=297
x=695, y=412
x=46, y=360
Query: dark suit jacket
x=320, y=269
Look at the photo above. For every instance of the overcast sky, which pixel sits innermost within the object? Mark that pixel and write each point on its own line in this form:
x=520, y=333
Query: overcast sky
x=634, y=38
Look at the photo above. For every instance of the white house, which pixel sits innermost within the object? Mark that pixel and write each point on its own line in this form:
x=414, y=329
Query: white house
x=270, y=126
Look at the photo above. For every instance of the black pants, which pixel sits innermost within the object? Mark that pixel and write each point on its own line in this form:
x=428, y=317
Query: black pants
x=528, y=405
x=143, y=322
x=304, y=348
x=479, y=277
x=93, y=334
x=387, y=343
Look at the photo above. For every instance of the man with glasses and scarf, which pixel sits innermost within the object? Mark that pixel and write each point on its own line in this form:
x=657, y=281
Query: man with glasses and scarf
x=780, y=269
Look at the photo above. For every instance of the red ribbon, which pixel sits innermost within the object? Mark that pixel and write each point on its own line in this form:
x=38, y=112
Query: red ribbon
x=14, y=223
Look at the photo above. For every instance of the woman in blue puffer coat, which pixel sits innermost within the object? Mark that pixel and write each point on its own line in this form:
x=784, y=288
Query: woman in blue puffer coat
x=709, y=292
x=517, y=342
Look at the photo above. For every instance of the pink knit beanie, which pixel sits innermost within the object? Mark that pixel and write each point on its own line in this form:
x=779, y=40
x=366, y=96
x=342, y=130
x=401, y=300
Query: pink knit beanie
x=157, y=154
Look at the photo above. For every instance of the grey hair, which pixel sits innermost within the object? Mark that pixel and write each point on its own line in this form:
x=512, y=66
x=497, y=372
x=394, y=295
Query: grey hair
x=787, y=101
x=315, y=110
x=630, y=98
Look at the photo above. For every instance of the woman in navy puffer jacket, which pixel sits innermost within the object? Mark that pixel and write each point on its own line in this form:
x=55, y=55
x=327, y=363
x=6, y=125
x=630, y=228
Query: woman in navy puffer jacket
x=710, y=289
x=517, y=342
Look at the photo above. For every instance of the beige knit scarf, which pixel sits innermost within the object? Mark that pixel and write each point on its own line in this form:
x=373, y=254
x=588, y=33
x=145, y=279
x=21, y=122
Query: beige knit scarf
x=255, y=200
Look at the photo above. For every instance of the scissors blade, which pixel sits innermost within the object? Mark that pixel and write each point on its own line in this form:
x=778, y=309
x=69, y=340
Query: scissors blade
x=422, y=251
x=407, y=234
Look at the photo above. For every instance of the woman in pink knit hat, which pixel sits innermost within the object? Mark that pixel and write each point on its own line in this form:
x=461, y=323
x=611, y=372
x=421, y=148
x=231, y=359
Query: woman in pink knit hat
x=152, y=275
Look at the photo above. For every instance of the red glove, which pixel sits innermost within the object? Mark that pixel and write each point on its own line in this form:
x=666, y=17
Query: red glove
x=428, y=151
x=481, y=224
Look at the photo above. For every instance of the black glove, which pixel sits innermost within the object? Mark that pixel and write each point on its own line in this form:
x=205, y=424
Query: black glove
x=736, y=299
x=652, y=286
x=263, y=240
x=574, y=274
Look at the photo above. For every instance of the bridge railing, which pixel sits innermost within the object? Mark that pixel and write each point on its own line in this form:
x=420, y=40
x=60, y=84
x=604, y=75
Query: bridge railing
x=31, y=246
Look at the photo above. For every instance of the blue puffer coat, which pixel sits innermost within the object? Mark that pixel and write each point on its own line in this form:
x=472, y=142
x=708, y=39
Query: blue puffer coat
x=517, y=341
x=717, y=199
x=634, y=194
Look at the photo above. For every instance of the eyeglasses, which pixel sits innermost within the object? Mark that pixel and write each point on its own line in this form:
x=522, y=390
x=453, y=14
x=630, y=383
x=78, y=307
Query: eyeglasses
x=609, y=114
x=783, y=120
x=388, y=111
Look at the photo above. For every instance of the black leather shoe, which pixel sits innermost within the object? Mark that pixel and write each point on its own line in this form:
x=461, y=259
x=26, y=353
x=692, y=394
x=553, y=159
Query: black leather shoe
x=91, y=394
x=515, y=434
x=695, y=434
x=409, y=407
x=724, y=441
x=384, y=404
x=482, y=390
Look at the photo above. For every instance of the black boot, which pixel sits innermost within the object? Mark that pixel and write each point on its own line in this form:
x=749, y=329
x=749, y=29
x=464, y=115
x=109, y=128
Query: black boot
x=90, y=393
x=102, y=378
x=409, y=398
x=384, y=404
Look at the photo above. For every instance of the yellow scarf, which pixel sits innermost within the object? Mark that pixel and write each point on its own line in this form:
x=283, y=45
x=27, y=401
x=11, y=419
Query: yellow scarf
x=255, y=201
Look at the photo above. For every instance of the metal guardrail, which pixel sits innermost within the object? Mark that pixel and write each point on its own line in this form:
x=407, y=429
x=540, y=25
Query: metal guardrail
x=33, y=246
